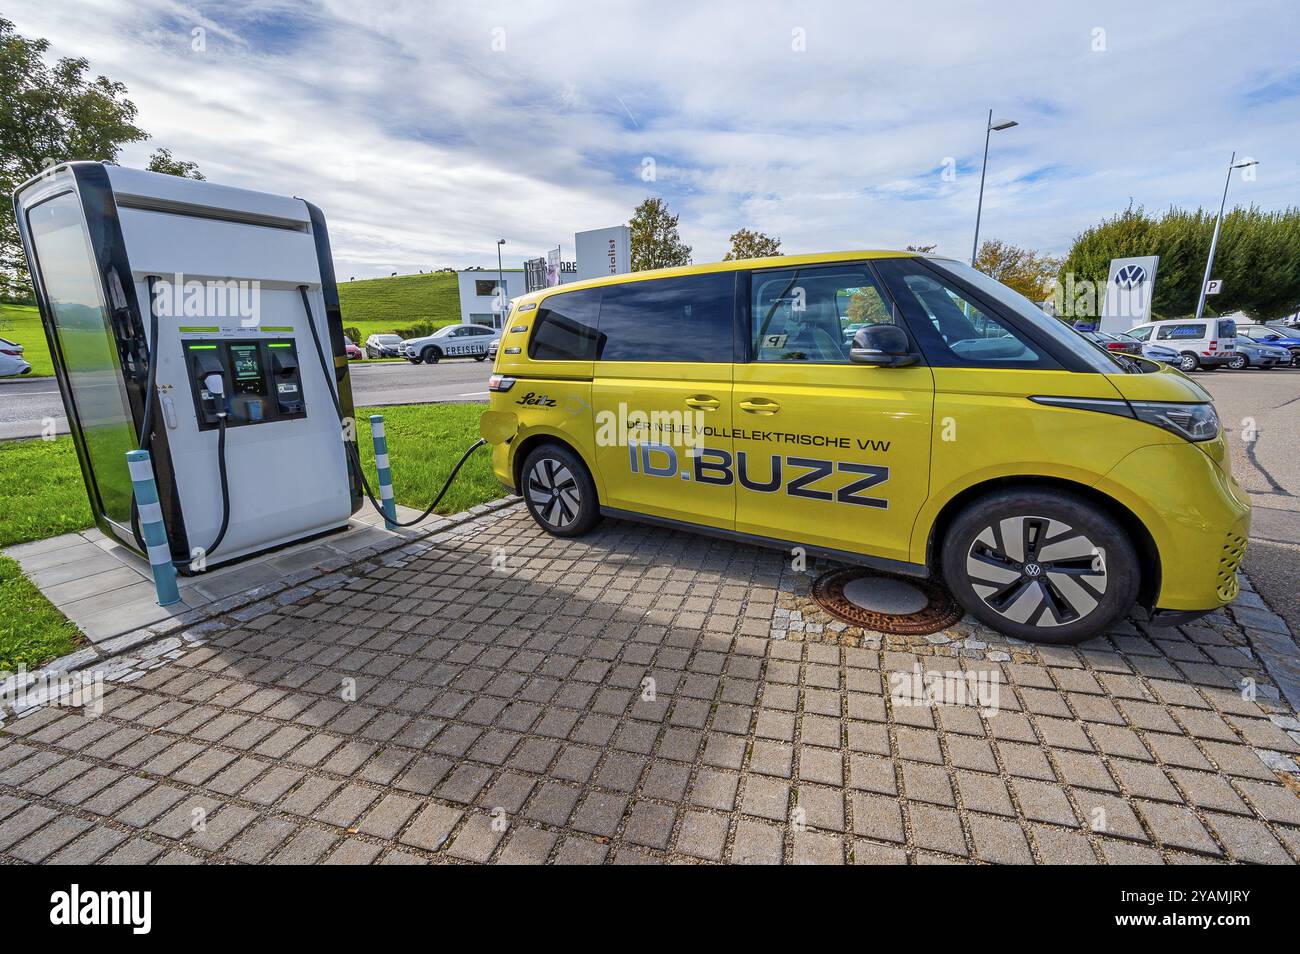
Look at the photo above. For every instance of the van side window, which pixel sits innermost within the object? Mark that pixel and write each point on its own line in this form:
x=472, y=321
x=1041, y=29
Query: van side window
x=952, y=329
x=812, y=314
x=669, y=319
x=565, y=329
x=1184, y=331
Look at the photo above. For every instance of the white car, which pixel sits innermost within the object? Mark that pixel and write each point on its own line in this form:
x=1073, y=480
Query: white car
x=11, y=359
x=384, y=346
x=1208, y=343
x=453, y=341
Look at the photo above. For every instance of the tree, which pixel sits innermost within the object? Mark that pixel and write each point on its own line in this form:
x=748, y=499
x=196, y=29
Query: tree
x=1022, y=269
x=52, y=114
x=1255, y=258
x=747, y=244
x=923, y=249
x=162, y=161
x=655, y=242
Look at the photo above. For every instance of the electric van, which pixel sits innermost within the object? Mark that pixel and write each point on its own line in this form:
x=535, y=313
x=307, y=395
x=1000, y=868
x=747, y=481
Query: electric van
x=1208, y=343
x=961, y=432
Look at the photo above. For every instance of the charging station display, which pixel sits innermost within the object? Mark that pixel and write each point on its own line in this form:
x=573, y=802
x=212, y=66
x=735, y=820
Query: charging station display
x=251, y=382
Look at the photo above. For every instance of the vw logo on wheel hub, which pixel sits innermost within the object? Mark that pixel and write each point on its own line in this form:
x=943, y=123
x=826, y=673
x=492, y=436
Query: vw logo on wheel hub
x=1033, y=569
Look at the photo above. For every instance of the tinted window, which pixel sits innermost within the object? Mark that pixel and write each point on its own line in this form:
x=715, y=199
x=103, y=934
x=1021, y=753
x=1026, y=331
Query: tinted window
x=953, y=329
x=1186, y=331
x=668, y=319
x=565, y=329
x=1227, y=328
x=811, y=314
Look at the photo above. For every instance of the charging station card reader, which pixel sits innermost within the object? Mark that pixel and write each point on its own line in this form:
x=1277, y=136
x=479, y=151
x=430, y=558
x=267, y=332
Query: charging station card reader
x=251, y=381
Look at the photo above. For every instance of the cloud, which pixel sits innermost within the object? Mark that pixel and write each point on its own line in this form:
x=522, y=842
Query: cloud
x=426, y=132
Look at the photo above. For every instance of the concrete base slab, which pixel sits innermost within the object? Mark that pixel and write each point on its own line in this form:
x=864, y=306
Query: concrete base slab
x=107, y=590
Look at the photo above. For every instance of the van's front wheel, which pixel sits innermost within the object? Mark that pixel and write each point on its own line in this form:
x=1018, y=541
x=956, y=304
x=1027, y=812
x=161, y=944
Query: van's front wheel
x=559, y=491
x=1044, y=566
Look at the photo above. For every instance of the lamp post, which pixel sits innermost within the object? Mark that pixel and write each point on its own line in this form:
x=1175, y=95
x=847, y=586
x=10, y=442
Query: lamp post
x=501, y=289
x=1214, y=241
x=988, y=130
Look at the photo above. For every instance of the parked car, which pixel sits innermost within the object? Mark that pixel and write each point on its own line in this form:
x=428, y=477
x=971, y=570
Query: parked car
x=492, y=348
x=1121, y=343
x=1084, y=482
x=11, y=359
x=1276, y=336
x=1250, y=354
x=350, y=346
x=1155, y=352
x=1207, y=343
x=453, y=341
x=384, y=346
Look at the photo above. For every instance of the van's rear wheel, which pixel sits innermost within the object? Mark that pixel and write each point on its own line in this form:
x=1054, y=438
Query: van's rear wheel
x=1045, y=566
x=559, y=491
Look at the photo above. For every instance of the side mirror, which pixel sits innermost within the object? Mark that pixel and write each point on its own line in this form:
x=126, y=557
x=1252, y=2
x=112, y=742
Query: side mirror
x=882, y=345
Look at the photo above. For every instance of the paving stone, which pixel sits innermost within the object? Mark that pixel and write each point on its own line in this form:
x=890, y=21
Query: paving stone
x=703, y=836
x=766, y=798
x=528, y=846
x=1176, y=827
x=431, y=827
x=984, y=793
x=757, y=844
x=477, y=839
x=936, y=828
x=999, y=841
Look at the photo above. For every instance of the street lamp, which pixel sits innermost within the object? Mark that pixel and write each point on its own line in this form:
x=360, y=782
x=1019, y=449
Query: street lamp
x=501, y=291
x=1214, y=242
x=988, y=130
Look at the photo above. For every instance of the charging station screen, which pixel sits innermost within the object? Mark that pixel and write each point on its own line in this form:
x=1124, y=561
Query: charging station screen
x=94, y=373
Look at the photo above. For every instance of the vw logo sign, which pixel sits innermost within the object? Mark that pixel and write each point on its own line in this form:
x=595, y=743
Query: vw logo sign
x=1130, y=276
x=1032, y=570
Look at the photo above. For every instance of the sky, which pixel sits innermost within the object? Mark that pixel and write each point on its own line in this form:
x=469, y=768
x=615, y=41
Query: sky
x=426, y=131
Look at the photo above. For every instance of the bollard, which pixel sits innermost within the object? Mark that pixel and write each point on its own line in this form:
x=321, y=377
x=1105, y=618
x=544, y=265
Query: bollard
x=151, y=527
x=385, y=476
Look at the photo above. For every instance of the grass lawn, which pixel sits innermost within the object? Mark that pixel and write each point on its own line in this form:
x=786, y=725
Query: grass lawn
x=41, y=490
x=32, y=631
x=22, y=324
x=424, y=443
x=43, y=495
x=382, y=305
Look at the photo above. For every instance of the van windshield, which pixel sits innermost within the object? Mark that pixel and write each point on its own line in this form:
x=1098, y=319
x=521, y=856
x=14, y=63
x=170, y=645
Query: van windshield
x=1097, y=358
x=1227, y=328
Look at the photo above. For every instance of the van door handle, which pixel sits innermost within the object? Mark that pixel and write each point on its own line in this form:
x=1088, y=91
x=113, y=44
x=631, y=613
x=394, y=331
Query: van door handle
x=704, y=402
x=760, y=406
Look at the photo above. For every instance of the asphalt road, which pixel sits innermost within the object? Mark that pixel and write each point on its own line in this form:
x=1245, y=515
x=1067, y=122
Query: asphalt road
x=1265, y=406
x=26, y=404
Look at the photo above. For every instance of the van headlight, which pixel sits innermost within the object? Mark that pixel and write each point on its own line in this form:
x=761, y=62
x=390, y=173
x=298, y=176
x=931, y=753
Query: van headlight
x=1194, y=422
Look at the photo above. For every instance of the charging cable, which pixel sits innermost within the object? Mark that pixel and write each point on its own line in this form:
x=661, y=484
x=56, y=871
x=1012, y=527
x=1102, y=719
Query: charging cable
x=350, y=447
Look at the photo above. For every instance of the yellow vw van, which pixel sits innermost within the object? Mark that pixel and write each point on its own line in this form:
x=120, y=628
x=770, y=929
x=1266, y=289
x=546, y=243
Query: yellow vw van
x=897, y=410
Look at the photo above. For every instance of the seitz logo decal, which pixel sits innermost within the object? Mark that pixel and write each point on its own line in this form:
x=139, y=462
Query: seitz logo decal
x=532, y=399
x=796, y=476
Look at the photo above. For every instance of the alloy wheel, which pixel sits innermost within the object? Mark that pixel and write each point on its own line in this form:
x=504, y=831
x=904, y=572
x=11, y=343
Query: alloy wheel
x=1037, y=571
x=554, y=492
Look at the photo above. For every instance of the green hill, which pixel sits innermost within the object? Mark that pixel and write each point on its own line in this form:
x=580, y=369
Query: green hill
x=376, y=305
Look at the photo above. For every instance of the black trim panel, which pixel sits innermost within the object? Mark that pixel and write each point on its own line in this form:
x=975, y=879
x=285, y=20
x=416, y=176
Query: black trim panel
x=861, y=559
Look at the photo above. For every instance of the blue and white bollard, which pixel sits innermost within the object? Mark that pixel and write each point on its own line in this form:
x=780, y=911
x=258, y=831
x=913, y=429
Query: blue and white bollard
x=151, y=527
x=385, y=476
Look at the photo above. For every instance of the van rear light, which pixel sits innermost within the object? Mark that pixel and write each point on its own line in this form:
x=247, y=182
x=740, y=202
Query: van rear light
x=500, y=382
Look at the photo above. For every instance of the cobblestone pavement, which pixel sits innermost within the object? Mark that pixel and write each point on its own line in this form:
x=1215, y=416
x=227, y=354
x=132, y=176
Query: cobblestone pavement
x=644, y=695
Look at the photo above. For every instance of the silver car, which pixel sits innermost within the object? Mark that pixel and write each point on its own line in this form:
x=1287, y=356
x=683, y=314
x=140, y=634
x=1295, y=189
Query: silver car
x=11, y=359
x=1254, y=354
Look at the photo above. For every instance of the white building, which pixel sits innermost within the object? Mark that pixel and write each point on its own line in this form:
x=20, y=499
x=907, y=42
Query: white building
x=477, y=287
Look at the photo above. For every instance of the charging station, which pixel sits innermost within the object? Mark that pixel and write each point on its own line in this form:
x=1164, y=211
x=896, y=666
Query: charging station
x=202, y=323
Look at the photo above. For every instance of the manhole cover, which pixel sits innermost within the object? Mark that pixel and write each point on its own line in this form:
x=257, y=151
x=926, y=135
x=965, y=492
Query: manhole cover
x=887, y=604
